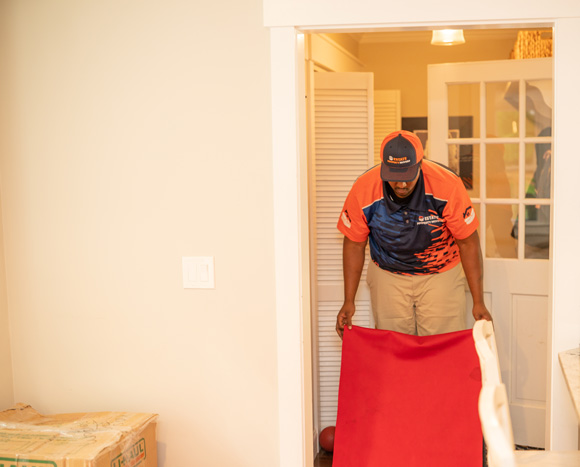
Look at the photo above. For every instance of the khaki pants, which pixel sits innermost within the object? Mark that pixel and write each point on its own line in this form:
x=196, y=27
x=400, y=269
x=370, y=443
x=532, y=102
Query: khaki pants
x=418, y=305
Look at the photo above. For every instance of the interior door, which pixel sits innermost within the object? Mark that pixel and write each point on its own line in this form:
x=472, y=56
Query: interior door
x=341, y=149
x=492, y=123
x=344, y=113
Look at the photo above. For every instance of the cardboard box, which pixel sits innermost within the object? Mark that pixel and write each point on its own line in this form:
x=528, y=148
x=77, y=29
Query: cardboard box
x=101, y=439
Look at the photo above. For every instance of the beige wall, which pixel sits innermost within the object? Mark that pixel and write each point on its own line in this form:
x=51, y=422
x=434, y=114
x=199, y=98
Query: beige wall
x=6, y=380
x=135, y=133
x=403, y=65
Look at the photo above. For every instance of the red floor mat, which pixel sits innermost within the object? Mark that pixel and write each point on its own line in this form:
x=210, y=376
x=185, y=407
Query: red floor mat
x=408, y=401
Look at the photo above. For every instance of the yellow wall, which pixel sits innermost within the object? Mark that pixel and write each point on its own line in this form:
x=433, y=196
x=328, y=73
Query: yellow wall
x=135, y=133
x=403, y=65
x=346, y=41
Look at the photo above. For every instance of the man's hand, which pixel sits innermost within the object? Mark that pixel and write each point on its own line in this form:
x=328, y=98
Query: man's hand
x=344, y=318
x=353, y=260
x=472, y=262
x=480, y=312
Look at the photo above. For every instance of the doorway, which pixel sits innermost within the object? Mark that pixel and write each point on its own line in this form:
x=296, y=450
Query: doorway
x=291, y=247
x=491, y=44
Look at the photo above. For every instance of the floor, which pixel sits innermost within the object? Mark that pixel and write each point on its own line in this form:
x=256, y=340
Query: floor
x=324, y=459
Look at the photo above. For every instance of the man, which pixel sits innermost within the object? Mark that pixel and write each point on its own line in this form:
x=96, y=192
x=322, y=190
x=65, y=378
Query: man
x=421, y=226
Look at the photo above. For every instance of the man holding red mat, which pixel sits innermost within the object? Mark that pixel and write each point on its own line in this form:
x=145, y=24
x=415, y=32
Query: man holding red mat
x=422, y=230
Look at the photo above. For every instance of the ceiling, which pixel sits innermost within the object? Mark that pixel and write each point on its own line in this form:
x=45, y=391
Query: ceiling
x=423, y=36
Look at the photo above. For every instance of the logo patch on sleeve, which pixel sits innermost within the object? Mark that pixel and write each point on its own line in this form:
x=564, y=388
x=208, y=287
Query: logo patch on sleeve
x=345, y=218
x=469, y=215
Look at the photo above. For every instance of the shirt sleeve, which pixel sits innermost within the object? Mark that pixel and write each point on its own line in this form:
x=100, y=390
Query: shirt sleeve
x=459, y=213
x=352, y=221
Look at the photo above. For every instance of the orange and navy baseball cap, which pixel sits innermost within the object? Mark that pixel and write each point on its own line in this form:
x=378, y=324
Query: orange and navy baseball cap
x=401, y=153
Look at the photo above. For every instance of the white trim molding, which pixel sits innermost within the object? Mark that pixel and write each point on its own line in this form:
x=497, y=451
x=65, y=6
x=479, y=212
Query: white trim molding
x=293, y=327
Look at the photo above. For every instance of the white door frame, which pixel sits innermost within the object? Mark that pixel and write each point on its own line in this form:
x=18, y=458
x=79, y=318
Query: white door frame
x=291, y=234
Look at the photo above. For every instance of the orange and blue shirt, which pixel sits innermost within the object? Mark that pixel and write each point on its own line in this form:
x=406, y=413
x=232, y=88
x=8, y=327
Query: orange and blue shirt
x=413, y=239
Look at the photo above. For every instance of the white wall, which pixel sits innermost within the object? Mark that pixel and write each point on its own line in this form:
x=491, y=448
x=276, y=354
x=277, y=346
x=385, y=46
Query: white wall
x=138, y=132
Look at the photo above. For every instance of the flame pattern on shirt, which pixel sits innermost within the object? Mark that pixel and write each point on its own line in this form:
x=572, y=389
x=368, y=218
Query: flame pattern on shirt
x=412, y=240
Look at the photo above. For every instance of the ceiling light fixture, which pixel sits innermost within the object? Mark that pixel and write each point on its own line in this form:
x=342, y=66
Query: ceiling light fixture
x=447, y=37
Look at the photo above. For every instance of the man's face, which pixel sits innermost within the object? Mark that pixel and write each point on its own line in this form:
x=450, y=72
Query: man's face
x=404, y=189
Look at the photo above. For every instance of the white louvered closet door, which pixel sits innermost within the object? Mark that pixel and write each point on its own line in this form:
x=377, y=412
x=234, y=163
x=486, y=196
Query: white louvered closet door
x=343, y=148
x=387, y=117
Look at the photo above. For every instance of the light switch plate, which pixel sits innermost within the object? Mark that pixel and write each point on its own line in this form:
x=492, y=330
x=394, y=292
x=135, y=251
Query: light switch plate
x=198, y=272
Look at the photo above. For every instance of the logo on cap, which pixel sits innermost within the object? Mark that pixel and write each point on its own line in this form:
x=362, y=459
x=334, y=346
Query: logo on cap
x=401, y=153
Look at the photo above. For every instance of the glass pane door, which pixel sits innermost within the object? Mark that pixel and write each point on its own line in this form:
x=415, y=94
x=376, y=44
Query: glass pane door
x=492, y=123
x=500, y=143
